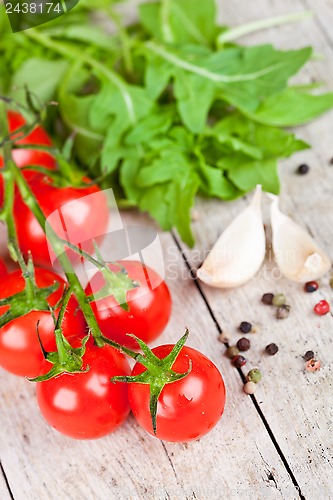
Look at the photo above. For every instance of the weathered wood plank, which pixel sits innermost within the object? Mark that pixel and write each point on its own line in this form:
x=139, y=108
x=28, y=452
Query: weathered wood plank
x=237, y=458
x=4, y=492
x=297, y=405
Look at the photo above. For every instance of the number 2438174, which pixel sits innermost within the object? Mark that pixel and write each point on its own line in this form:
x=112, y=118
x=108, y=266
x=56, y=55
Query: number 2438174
x=33, y=8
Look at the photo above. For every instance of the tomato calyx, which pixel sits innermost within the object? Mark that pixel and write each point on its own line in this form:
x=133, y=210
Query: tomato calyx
x=32, y=298
x=116, y=284
x=158, y=372
x=66, y=359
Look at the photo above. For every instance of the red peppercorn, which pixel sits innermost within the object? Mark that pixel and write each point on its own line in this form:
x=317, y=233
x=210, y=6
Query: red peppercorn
x=311, y=286
x=238, y=361
x=322, y=308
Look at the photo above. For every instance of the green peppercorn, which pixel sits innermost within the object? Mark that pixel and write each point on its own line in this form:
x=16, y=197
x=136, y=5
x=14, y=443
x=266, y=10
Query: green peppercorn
x=331, y=282
x=232, y=351
x=279, y=299
x=254, y=375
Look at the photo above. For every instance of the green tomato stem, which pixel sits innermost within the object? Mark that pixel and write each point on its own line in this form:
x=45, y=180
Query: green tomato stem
x=59, y=249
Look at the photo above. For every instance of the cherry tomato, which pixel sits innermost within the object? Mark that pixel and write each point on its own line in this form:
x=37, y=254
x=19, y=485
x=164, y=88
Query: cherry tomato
x=26, y=157
x=187, y=409
x=87, y=405
x=149, y=306
x=78, y=215
x=3, y=269
x=20, y=352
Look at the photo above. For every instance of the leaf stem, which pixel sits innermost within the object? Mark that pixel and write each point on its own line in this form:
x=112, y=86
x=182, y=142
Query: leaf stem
x=245, y=29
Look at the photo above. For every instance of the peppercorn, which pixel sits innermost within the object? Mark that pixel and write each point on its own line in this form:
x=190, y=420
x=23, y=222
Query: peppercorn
x=232, y=351
x=279, y=299
x=308, y=355
x=322, y=308
x=238, y=361
x=254, y=375
x=303, y=169
x=250, y=388
x=267, y=298
x=243, y=344
x=282, y=312
x=245, y=327
x=311, y=286
x=331, y=282
x=271, y=349
x=313, y=365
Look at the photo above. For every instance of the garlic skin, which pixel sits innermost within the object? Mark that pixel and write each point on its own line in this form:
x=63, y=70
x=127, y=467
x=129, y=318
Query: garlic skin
x=296, y=253
x=240, y=250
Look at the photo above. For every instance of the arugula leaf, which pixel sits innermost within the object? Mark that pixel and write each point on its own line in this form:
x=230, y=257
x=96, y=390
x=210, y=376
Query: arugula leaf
x=247, y=175
x=150, y=126
x=215, y=183
x=118, y=109
x=43, y=77
x=292, y=107
x=194, y=96
x=176, y=21
x=159, y=109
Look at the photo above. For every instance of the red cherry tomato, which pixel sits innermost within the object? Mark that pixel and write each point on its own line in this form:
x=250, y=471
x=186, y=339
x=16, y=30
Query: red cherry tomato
x=26, y=157
x=149, y=306
x=187, y=409
x=87, y=405
x=20, y=352
x=78, y=215
x=3, y=269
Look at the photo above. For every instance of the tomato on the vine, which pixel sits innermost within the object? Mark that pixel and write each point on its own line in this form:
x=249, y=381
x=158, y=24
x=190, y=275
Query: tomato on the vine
x=80, y=214
x=149, y=305
x=20, y=351
x=188, y=408
x=87, y=405
x=26, y=157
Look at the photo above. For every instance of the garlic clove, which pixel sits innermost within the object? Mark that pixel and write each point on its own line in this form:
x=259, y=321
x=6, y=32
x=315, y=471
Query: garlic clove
x=240, y=250
x=296, y=253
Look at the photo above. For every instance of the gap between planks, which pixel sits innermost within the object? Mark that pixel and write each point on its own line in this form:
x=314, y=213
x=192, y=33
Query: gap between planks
x=242, y=376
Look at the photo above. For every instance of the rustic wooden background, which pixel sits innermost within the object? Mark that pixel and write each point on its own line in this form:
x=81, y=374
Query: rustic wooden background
x=277, y=444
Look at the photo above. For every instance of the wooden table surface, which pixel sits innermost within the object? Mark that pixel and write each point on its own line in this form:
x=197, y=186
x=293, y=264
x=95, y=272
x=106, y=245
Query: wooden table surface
x=277, y=444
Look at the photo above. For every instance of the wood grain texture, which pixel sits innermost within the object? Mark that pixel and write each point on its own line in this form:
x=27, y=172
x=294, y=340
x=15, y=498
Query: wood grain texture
x=4, y=492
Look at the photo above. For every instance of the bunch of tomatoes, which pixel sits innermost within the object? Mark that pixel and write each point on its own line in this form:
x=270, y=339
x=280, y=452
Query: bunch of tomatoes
x=88, y=404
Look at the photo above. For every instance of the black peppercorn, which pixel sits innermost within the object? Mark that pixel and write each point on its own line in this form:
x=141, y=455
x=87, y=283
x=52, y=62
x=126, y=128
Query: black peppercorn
x=243, y=344
x=245, y=327
x=303, y=169
x=267, y=298
x=308, y=355
x=272, y=349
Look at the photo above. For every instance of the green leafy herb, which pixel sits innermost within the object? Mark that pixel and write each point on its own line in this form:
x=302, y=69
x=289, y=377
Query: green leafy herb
x=168, y=107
